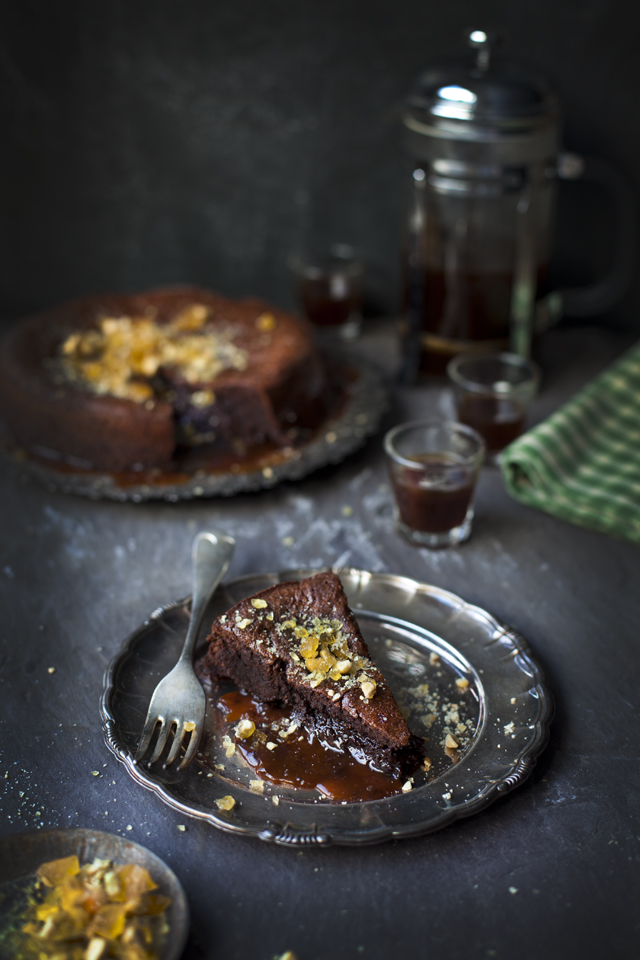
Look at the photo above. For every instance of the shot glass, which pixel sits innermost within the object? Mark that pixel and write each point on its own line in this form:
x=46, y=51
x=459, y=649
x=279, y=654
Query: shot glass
x=329, y=288
x=493, y=391
x=434, y=465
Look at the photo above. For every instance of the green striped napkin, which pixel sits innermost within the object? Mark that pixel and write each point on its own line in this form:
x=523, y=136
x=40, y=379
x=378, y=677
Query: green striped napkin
x=583, y=463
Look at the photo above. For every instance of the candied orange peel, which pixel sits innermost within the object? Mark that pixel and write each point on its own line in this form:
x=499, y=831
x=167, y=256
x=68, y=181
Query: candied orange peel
x=97, y=911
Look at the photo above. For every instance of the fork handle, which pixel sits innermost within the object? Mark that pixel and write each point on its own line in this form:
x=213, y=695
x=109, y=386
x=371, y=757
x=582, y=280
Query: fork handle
x=211, y=556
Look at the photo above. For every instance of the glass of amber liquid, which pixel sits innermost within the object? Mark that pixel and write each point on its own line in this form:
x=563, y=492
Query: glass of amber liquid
x=329, y=288
x=434, y=465
x=493, y=391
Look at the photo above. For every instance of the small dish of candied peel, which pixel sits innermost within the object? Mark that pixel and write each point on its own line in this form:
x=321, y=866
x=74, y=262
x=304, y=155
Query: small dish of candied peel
x=86, y=895
x=100, y=910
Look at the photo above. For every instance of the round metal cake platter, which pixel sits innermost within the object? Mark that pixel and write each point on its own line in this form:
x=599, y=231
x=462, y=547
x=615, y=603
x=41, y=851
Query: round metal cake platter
x=452, y=667
x=22, y=854
x=341, y=434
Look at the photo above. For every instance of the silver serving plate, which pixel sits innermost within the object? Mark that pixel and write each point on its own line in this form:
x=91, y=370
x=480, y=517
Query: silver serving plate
x=418, y=634
x=365, y=402
x=22, y=854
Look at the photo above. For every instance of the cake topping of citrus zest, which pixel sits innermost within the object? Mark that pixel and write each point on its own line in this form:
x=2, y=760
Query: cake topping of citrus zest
x=124, y=353
x=203, y=398
x=266, y=322
x=324, y=648
x=244, y=729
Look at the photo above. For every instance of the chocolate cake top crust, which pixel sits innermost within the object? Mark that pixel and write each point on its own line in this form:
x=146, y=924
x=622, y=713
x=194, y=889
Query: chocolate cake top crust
x=299, y=643
x=117, y=383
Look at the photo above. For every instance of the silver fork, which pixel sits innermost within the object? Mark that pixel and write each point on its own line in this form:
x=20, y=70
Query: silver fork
x=178, y=703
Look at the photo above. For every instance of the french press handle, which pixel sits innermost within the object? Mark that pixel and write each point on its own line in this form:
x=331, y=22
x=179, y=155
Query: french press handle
x=600, y=296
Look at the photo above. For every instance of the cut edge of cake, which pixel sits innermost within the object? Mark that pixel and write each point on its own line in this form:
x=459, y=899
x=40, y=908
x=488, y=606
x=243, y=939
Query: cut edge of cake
x=299, y=643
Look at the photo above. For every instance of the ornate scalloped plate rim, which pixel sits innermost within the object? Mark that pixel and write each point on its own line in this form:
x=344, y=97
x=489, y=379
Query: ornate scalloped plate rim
x=347, y=432
x=288, y=834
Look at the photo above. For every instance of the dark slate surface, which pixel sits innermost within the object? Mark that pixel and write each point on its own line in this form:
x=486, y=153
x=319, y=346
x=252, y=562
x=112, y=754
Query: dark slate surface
x=549, y=871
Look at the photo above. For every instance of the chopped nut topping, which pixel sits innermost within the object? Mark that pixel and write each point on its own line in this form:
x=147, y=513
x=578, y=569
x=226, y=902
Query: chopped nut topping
x=243, y=624
x=343, y=666
x=271, y=745
x=244, y=729
x=225, y=803
x=451, y=743
x=229, y=746
x=256, y=786
x=96, y=948
x=291, y=729
x=258, y=603
x=462, y=683
x=426, y=764
x=368, y=687
x=406, y=787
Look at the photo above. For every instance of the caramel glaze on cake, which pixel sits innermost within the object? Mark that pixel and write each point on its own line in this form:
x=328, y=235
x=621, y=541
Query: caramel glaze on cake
x=273, y=385
x=300, y=644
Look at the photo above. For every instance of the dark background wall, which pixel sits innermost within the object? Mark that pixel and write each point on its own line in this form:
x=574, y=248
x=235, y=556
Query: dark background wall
x=151, y=143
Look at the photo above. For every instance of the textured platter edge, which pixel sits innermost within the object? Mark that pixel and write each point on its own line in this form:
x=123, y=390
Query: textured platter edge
x=339, y=436
x=286, y=831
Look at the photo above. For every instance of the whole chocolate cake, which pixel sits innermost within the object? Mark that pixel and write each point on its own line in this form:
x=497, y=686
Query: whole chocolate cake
x=299, y=643
x=119, y=383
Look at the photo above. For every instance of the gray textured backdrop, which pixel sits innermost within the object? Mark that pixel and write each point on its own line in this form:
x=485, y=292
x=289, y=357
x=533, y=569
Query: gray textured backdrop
x=149, y=143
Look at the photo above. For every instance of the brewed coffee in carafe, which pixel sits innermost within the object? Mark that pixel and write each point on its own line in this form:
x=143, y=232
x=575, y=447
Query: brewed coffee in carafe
x=483, y=137
x=468, y=248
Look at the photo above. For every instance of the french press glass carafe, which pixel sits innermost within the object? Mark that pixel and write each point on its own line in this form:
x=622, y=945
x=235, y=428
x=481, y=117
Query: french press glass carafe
x=484, y=137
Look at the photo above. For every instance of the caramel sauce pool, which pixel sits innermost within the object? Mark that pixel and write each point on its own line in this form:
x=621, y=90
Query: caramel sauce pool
x=302, y=760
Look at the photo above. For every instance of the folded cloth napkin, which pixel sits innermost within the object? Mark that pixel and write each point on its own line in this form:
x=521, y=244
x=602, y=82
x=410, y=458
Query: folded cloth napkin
x=583, y=463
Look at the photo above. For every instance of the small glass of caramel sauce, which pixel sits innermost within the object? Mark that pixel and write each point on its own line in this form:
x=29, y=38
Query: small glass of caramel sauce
x=329, y=289
x=434, y=465
x=492, y=392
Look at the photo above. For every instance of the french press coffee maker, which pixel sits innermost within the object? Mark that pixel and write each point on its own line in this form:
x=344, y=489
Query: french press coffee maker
x=484, y=137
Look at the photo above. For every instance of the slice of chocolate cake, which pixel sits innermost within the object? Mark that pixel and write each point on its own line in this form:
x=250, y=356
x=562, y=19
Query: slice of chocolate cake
x=299, y=643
